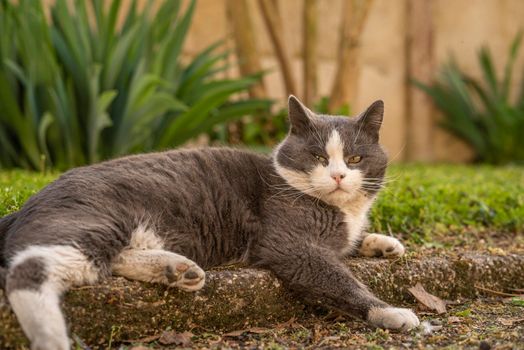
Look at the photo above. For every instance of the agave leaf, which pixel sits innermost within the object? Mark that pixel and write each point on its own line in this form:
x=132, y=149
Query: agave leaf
x=192, y=77
x=481, y=113
x=45, y=123
x=102, y=121
x=459, y=120
x=68, y=149
x=12, y=116
x=165, y=17
x=7, y=151
x=146, y=115
x=234, y=111
x=16, y=70
x=200, y=60
x=485, y=99
x=216, y=94
x=98, y=9
x=108, y=26
x=66, y=56
x=145, y=101
x=488, y=71
x=131, y=16
x=166, y=58
x=64, y=106
x=83, y=29
x=508, y=70
x=64, y=23
x=98, y=118
x=118, y=55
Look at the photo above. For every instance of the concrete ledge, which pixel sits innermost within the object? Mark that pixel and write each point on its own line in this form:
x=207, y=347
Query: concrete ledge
x=239, y=298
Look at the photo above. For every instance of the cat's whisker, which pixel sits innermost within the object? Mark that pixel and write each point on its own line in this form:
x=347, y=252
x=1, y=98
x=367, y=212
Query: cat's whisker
x=397, y=154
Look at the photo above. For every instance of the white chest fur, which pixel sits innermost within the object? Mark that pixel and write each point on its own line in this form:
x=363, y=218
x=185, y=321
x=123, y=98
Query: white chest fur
x=356, y=219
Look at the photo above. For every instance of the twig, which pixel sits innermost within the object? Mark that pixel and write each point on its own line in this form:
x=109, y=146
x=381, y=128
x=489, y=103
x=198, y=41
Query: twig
x=495, y=292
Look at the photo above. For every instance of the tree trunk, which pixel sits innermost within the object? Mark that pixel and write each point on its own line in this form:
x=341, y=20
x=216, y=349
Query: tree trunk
x=274, y=26
x=344, y=89
x=245, y=43
x=419, y=47
x=310, y=51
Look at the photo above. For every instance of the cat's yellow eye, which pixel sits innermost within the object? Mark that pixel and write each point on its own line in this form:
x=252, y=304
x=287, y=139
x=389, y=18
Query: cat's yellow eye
x=354, y=159
x=321, y=159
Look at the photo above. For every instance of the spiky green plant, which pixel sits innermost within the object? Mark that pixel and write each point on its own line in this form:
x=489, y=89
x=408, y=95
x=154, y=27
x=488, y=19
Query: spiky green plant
x=80, y=87
x=486, y=114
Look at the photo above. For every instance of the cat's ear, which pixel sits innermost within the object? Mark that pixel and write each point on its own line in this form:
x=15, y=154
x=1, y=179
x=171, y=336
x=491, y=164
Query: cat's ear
x=371, y=120
x=299, y=116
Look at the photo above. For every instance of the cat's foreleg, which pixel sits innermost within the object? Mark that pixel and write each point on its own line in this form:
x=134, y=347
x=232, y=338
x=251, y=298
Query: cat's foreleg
x=376, y=245
x=161, y=266
x=36, y=278
x=315, y=274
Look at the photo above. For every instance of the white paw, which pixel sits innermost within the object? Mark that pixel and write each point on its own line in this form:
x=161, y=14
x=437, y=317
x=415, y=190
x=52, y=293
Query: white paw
x=186, y=276
x=375, y=245
x=393, y=318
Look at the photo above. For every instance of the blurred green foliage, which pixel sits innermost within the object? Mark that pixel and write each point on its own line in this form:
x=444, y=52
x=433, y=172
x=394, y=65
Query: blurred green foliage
x=322, y=107
x=261, y=131
x=486, y=114
x=418, y=201
x=79, y=88
x=264, y=130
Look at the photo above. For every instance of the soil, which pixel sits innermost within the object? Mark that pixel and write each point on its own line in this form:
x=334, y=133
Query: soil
x=486, y=323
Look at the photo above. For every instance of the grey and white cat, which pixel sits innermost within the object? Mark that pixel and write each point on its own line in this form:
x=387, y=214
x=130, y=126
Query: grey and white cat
x=165, y=217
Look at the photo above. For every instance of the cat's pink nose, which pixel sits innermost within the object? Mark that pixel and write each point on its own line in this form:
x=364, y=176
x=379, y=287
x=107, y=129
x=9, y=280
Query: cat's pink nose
x=338, y=178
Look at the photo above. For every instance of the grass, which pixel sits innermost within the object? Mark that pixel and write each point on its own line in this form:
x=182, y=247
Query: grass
x=16, y=186
x=419, y=201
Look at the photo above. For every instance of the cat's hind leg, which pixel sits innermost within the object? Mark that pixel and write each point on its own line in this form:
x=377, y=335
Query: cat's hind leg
x=161, y=266
x=36, y=278
x=145, y=259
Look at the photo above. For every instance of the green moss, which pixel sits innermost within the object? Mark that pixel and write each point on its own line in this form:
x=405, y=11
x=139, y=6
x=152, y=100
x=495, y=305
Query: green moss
x=422, y=201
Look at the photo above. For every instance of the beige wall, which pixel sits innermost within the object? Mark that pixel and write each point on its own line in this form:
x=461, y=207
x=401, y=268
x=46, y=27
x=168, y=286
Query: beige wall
x=460, y=27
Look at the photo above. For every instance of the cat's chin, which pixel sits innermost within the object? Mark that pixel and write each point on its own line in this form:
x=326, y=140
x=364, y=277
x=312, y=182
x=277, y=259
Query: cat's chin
x=341, y=197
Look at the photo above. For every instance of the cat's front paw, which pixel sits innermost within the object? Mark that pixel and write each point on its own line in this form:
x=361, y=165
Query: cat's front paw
x=393, y=318
x=376, y=245
x=186, y=276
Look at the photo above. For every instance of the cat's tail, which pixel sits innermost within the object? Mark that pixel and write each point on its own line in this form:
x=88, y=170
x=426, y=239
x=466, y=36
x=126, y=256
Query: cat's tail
x=5, y=224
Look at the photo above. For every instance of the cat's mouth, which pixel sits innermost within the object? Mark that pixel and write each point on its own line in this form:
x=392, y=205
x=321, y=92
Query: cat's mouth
x=337, y=190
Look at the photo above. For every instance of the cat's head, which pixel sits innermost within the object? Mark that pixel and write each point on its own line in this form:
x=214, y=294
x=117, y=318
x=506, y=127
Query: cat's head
x=334, y=158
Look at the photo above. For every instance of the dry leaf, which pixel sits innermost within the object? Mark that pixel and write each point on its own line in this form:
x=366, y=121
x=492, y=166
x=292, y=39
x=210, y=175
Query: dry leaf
x=430, y=301
x=170, y=338
x=255, y=330
x=510, y=321
x=454, y=319
x=149, y=339
x=235, y=333
x=291, y=323
x=259, y=330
